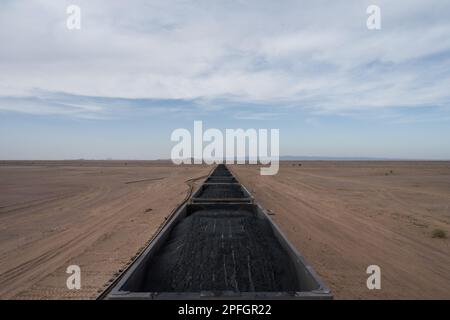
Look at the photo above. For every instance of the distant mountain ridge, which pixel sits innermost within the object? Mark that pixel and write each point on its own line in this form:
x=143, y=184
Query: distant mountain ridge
x=295, y=158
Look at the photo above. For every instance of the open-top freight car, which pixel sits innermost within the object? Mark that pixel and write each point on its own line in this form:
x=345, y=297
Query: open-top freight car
x=219, y=250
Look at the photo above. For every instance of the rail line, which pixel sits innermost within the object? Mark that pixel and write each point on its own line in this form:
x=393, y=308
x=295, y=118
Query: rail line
x=218, y=244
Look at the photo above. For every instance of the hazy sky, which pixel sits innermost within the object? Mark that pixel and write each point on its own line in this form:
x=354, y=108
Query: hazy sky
x=139, y=69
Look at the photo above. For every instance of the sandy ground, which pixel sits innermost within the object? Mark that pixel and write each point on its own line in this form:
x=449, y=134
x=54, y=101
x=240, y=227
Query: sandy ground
x=97, y=215
x=342, y=216
x=345, y=216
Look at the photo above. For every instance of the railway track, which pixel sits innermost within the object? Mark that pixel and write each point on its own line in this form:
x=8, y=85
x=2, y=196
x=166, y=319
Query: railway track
x=218, y=244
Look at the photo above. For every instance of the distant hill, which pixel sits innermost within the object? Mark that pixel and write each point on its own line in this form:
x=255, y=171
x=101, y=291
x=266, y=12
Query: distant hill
x=296, y=158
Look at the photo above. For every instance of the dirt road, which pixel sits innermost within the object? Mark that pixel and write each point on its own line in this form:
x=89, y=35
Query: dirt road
x=93, y=214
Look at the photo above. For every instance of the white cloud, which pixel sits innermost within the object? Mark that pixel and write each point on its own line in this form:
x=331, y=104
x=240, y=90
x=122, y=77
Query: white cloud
x=309, y=54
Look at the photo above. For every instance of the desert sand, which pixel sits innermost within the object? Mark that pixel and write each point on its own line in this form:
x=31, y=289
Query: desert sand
x=94, y=214
x=342, y=216
x=345, y=216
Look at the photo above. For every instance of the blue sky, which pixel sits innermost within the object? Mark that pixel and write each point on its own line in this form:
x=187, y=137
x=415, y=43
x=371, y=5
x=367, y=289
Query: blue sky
x=139, y=69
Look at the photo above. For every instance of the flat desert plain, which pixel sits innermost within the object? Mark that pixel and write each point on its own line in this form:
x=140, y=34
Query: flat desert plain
x=94, y=214
x=342, y=216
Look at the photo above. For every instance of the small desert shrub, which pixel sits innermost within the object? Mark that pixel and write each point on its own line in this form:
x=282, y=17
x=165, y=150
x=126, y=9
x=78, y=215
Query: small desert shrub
x=439, y=233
